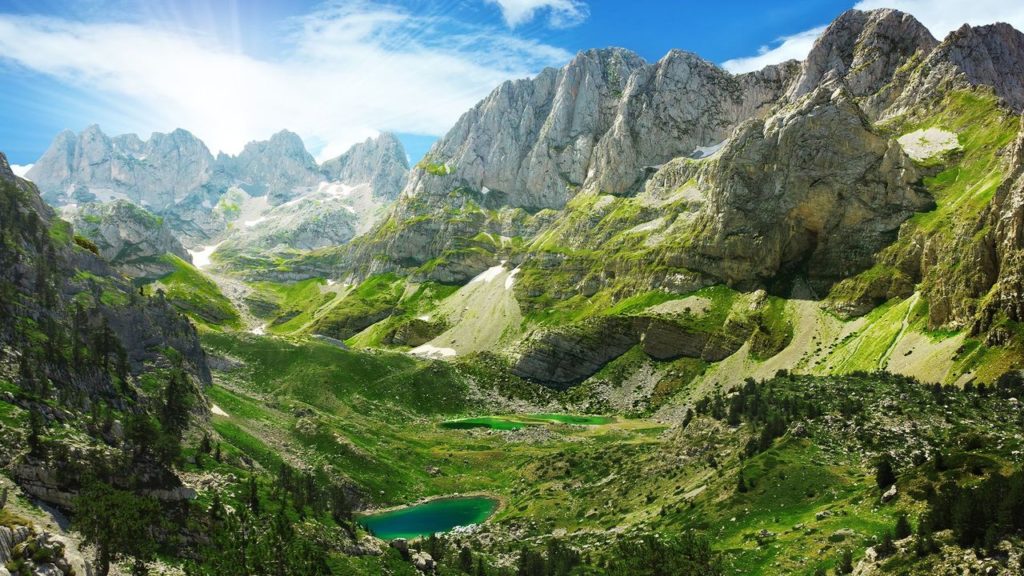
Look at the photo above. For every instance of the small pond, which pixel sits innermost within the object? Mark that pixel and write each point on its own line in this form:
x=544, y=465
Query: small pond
x=518, y=422
x=430, y=517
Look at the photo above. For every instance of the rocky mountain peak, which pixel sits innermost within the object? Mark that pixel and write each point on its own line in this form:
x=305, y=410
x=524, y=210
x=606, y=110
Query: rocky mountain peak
x=91, y=166
x=992, y=55
x=379, y=161
x=5, y=169
x=274, y=167
x=597, y=123
x=863, y=48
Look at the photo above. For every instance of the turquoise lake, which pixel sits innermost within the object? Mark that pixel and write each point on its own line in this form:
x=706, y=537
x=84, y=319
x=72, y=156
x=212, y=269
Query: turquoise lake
x=426, y=519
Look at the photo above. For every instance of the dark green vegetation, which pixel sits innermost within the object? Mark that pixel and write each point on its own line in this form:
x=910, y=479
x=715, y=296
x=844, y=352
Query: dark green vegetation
x=422, y=520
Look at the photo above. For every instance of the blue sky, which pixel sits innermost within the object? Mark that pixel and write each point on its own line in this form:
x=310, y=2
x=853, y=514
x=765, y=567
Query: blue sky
x=340, y=71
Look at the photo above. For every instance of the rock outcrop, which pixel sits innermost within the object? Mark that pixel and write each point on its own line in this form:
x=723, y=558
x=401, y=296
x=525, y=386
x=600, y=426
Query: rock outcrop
x=276, y=168
x=380, y=162
x=813, y=189
x=864, y=50
x=129, y=237
x=1004, y=262
x=991, y=55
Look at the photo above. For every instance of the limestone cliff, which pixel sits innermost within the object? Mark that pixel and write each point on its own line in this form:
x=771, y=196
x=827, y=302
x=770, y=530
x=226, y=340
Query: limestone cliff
x=127, y=236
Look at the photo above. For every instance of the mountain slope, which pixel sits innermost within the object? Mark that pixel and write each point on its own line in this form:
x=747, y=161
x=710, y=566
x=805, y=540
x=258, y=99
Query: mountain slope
x=864, y=178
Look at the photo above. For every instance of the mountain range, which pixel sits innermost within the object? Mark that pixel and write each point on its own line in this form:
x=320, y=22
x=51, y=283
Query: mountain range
x=656, y=315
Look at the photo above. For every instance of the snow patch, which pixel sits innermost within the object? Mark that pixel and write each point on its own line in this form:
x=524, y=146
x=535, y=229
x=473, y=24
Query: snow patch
x=511, y=279
x=217, y=410
x=331, y=282
x=425, y=317
x=259, y=330
x=428, y=351
x=21, y=169
x=701, y=152
x=489, y=274
x=251, y=223
x=201, y=258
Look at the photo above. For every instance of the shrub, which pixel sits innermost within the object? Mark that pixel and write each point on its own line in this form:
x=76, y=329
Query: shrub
x=87, y=244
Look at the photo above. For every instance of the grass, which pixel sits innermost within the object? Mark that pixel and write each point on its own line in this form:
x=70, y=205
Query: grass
x=196, y=295
x=370, y=302
x=324, y=375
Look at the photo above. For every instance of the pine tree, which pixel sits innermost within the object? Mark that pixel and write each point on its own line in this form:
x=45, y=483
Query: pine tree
x=253, y=497
x=466, y=560
x=886, y=547
x=884, y=474
x=118, y=523
x=741, y=485
x=845, y=565
x=902, y=529
x=36, y=445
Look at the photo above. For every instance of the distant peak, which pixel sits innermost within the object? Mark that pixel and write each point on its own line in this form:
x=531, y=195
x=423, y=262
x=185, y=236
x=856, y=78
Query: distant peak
x=5, y=169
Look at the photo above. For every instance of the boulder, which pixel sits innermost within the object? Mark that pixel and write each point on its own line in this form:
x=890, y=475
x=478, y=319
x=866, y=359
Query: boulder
x=889, y=494
x=422, y=561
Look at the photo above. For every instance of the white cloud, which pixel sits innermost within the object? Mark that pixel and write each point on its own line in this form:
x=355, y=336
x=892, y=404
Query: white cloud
x=561, y=13
x=348, y=71
x=940, y=17
x=943, y=16
x=795, y=47
x=20, y=169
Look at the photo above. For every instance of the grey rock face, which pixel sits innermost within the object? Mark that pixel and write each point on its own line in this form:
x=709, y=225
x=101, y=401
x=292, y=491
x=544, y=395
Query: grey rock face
x=91, y=166
x=670, y=108
x=274, y=167
x=130, y=238
x=597, y=122
x=530, y=141
x=812, y=189
x=990, y=55
x=380, y=162
x=864, y=49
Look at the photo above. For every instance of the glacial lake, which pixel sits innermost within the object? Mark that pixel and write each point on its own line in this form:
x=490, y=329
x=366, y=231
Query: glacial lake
x=430, y=517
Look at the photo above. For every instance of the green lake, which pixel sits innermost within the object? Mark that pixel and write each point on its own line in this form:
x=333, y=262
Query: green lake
x=519, y=422
x=428, y=518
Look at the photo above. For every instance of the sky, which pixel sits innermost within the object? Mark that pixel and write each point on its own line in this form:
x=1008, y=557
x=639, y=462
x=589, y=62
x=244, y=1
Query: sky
x=340, y=71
